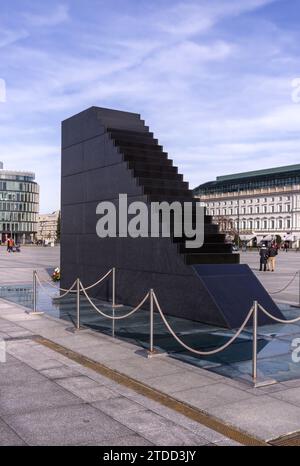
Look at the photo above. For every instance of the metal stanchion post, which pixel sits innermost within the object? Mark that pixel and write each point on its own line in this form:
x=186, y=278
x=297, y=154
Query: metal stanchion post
x=254, y=343
x=299, y=288
x=34, y=296
x=114, y=305
x=34, y=291
x=113, y=323
x=151, y=321
x=261, y=383
x=78, y=305
x=113, y=287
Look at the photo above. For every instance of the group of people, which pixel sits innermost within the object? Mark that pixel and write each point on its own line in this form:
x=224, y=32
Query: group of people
x=267, y=256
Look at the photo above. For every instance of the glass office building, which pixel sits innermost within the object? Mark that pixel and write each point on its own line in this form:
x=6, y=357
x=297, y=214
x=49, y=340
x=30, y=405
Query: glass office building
x=19, y=205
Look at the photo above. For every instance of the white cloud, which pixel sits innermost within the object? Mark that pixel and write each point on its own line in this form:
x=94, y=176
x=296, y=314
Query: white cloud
x=51, y=18
x=10, y=36
x=189, y=18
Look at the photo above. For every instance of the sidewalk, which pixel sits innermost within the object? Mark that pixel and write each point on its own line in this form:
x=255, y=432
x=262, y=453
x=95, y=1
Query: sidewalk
x=60, y=401
x=48, y=399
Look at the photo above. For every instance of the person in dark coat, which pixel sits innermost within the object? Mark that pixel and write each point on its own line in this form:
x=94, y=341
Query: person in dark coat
x=263, y=253
x=272, y=253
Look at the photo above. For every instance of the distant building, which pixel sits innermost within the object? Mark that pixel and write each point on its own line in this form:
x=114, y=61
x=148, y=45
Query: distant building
x=47, y=227
x=256, y=205
x=19, y=205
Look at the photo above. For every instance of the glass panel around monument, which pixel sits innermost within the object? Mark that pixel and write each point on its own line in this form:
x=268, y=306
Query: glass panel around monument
x=277, y=343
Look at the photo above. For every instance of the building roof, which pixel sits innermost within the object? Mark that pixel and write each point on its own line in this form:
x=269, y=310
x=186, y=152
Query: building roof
x=286, y=175
x=266, y=171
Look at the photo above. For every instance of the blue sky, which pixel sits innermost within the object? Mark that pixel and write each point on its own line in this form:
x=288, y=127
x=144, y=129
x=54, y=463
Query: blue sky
x=212, y=78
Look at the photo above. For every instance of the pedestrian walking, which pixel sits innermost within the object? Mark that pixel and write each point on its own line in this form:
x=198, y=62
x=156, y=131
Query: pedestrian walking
x=272, y=253
x=263, y=253
x=9, y=245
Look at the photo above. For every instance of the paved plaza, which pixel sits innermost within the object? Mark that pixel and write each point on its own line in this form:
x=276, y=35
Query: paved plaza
x=49, y=398
x=285, y=277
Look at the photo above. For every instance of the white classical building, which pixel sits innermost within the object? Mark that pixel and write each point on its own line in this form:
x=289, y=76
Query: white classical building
x=256, y=205
x=47, y=227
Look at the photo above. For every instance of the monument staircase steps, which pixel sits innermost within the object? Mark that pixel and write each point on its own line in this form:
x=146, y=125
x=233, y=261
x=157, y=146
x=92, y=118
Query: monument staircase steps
x=211, y=258
x=168, y=191
x=150, y=158
x=157, y=174
x=206, y=248
x=139, y=140
x=141, y=146
x=119, y=133
x=208, y=237
x=161, y=182
x=150, y=167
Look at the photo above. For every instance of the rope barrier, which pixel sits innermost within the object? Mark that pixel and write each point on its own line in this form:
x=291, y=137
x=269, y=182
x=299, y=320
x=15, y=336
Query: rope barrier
x=70, y=290
x=276, y=318
x=153, y=299
x=54, y=286
x=285, y=287
x=111, y=317
x=202, y=353
x=74, y=291
x=99, y=281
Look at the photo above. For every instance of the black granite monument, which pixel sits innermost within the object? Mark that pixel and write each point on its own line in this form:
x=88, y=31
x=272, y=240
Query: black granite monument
x=107, y=152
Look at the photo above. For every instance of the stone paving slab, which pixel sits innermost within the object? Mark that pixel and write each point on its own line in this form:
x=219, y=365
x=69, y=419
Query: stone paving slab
x=264, y=416
x=26, y=398
x=52, y=426
x=8, y=436
x=47, y=399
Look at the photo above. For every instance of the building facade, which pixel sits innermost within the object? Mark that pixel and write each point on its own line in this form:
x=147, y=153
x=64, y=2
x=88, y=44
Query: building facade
x=19, y=205
x=47, y=227
x=263, y=204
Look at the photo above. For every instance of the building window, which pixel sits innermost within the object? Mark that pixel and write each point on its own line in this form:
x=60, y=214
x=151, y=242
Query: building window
x=257, y=224
x=280, y=224
x=250, y=225
x=250, y=210
x=279, y=208
x=265, y=224
x=272, y=224
x=288, y=207
x=265, y=209
x=257, y=209
x=244, y=225
x=272, y=208
x=288, y=223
